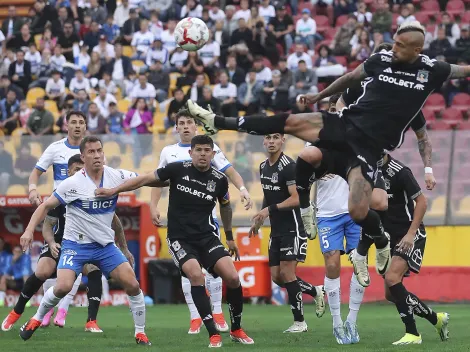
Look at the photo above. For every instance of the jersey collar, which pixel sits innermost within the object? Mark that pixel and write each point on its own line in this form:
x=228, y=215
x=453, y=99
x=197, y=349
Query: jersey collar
x=69, y=145
x=184, y=145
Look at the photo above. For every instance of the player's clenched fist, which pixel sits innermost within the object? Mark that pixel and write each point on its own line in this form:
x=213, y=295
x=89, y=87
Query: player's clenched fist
x=430, y=181
x=34, y=198
x=308, y=99
x=105, y=192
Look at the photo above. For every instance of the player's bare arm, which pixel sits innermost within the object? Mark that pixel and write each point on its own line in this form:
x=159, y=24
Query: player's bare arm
x=38, y=216
x=34, y=197
x=151, y=180
x=421, y=206
x=458, y=71
x=425, y=150
x=238, y=182
x=120, y=239
x=226, y=214
x=155, y=195
x=48, y=235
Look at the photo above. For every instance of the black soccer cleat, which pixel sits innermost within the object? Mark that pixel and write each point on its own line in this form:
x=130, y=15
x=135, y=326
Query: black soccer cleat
x=28, y=329
x=142, y=339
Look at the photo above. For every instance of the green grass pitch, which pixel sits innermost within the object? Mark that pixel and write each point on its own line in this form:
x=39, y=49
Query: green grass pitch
x=379, y=326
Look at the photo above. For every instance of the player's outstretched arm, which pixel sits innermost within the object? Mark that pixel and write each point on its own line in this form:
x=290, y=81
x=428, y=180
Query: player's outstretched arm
x=458, y=71
x=421, y=206
x=425, y=150
x=132, y=184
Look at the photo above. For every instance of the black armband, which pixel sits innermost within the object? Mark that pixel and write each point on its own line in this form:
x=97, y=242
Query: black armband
x=229, y=235
x=273, y=208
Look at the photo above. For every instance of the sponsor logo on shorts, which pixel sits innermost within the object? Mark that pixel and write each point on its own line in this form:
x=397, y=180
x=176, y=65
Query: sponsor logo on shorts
x=324, y=229
x=181, y=254
x=69, y=252
x=286, y=249
x=214, y=248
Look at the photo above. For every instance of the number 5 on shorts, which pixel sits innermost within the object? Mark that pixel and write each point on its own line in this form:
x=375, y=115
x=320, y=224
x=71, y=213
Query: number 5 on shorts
x=325, y=242
x=67, y=260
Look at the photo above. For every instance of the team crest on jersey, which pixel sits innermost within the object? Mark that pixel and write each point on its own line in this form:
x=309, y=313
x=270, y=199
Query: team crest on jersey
x=211, y=186
x=275, y=178
x=279, y=166
x=422, y=76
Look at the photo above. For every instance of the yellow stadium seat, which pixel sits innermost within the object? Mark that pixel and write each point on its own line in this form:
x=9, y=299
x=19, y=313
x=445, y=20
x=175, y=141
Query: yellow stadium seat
x=127, y=163
x=207, y=81
x=111, y=148
x=92, y=94
x=149, y=163
x=51, y=106
x=36, y=149
x=256, y=192
x=137, y=65
x=10, y=148
x=438, y=207
x=185, y=89
x=16, y=190
x=33, y=94
x=240, y=212
x=127, y=51
x=258, y=158
x=2, y=133
x=123, y=105
x=464, y=207
x=37, y=40
x=17, y=133
x=118, y=94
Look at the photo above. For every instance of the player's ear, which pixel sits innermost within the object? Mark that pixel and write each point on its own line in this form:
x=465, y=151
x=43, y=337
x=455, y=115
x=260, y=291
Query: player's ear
x=190, y=151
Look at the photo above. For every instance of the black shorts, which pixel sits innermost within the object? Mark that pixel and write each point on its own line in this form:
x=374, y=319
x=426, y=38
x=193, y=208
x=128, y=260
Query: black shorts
x=206, y=250
x=46, y=253
x=287, y=248
x=414, y=257
x=355, y=148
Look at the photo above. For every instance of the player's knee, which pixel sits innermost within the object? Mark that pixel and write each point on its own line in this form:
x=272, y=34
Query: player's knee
x=61, y=288
x=232, y=280
x=311, y=155
x=196, y=277
x=358, y=212
x=41, y=275
x=332, y=269
x=132, y=288
x=392, y=278
x=287, y=274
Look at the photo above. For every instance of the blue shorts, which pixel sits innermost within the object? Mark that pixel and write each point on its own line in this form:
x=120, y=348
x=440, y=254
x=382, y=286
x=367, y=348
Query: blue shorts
x=333, y=231
x=74, y=256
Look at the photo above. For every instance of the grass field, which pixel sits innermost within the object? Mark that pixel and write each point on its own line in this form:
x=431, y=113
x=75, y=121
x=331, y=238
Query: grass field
x=379, y=326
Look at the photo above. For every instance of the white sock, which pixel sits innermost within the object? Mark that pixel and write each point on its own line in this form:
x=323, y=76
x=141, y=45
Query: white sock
x=333, y=292
x=48, y=301
x=68, y=299
x=137, y=305
x=2, y=295
x=186, y=285
x=356, y=294
x=215, y=290
x=104, y=281
x=48, y=284
x=357, y=256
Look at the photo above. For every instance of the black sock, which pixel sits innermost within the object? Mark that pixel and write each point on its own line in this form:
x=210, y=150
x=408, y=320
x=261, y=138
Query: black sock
x=365, y=242
x=295, y=299
x=235, y=306
x=401, y=295
x=31, y=286
x=419, y=307
x=203, y=305
x=303, y=176
x=93, y=293
x=254, y=124
x=372, y=225
x=307, y=287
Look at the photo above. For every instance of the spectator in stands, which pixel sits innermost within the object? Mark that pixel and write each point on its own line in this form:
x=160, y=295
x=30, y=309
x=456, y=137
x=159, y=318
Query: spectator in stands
x=195, y=93
x=244, y=11
x=157, y=53
x=110, y=29
x=23, y=114
x=98, y=13
x=207, y=100
x=5, y=61
x=209, y=55
x=249, y=94
x=441, y=45
x=55, y=88
x=5, y=256
x=462, y=45
x=275, y=94
x=160, y=79
x=78, y=83
x=11, y=25
x=226, y=93
x=286, y=74
x=192, y=66
x=23, y=40
x=236, y=74
x=5, y=174
x=378, y=39
x=452, y=30
x=215, y=13
x=382, y=20
x=107, y=83
x=76, y=13
x=305, y=30
x=130, y=82
x=41, y=121
x=102, y=100
x=168, y=36
x=6, y=85
x=58, y=60
x=81, y=102
x=324, y=57
x=104, y=49
x=305, y=81
x=58, y=24
x=363, y=16
x=33, y=56
x=342, y=7
x=115, y=120
x=143, y=90
x=139, y=119
x=207, y=20
x=67, y=39
x=177, y=60
x=297, y=56
x=47, y=41
x=121, y=14
x=340, y=44
x=85, y=27
x=266, y=10
x=406, y=15
x=2, y=43
x=16, y=273
x=451, y=87
x=230, y=22
x=95, y=123
x=242, y=34
x=255, y=18
x=264, y=44
x=283, y=27
x=92, y=38
x=243, y=161
x=363, y=48
x=175, y=105
x=119, y=67
x=23, y=165
x=95, y=69
x=142, y=40
x=263, y=73
x=156, y=26
x=191, y=9
x=20, y=71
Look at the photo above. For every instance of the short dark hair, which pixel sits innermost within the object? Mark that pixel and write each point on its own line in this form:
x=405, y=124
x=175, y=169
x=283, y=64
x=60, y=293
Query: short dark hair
x=75, y=112
x=88, y=139
x=202, y=140
x=382, y=46
x=75, y=159
x=183, y=113
x=302, y=62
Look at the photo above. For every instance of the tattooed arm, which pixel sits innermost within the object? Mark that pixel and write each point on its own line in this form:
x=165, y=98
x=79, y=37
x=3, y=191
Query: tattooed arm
x=458, y=71
x=425, y=150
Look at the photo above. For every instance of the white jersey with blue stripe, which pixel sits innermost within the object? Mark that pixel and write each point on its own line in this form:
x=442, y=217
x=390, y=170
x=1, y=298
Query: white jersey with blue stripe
x=332, y=196
x=88, y=218
x=57, y=154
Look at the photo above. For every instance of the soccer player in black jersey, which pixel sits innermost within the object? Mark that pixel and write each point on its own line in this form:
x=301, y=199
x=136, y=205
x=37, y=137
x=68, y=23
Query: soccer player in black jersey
x=288, y=241
x=195, y=188
x=404, y=223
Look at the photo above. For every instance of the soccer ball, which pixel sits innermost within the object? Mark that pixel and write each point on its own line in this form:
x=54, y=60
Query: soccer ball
x=191, y=33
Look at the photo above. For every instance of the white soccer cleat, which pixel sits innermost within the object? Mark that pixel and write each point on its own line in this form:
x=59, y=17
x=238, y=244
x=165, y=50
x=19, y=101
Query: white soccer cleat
x=351, y=331
x=341, y=336
x=309, y=220
x=298, y=326
x=205, y=117
x=361, y=269
x=383, y=259
x=320, y=304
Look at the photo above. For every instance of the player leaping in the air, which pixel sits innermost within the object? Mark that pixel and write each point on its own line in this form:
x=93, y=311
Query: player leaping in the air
x=193, y=241
x=288, y=240
x=88, y=236
x=376, y=121
x=179, y=152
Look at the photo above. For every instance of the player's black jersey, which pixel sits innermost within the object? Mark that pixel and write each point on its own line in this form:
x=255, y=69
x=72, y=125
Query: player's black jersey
x=275, y=180
x=402, y=189
x=193, y=195
x=393, y=96
x=59, y=214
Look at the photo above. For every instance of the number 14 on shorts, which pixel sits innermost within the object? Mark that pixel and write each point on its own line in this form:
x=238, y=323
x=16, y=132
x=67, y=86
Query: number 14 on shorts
x=67, y=260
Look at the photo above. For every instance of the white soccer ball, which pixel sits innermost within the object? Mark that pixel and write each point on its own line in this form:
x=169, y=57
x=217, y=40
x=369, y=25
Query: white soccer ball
x=191, y=34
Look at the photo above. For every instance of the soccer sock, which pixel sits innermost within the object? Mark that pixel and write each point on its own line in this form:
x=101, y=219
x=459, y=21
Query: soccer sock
x=137, y=305
x=307, y=287
x=420, y=308
x=295, y=300
x=48, y=284
x=333, y=291
x=254, y=124
x=235, y=305
x=402, y=300
x=68, y=299
x=365, y=242
x=356, y=294
x=105, y=287
x=93, y=294
x=303, y=174
x=31, y=286
x=372, y=225
x=203, y=305
x=48, y=301
x=186, y=286
x=215, y=290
